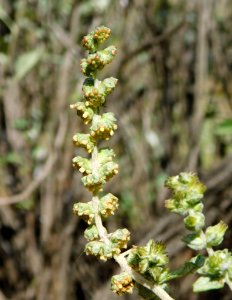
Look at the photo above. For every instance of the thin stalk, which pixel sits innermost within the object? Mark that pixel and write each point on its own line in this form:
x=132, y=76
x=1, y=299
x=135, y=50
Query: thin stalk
x=229, y=283
x=120, y=259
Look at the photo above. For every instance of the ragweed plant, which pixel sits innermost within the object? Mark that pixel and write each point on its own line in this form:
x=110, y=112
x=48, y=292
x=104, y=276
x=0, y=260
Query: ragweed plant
x=216, y=268
x=143, y=267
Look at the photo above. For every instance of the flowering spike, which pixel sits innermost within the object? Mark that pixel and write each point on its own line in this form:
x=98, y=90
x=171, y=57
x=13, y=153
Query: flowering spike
x=145, y=265
x=97, y=61
x=98, y=36
x=95, y=93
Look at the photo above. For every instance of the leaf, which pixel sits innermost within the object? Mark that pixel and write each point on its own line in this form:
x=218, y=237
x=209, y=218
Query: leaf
x=215, y=234
x=195, y=241
x=224, y=128
x=27, y=61
x=204, y=284
x=146, y=293
x=189, y=267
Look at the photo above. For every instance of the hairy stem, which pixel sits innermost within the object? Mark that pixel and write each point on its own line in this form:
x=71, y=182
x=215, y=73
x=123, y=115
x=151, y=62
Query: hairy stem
x=120, y=259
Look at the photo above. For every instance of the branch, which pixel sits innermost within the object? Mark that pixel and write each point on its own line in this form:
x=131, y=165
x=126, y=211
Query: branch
x=152, y=43
x=46, y=169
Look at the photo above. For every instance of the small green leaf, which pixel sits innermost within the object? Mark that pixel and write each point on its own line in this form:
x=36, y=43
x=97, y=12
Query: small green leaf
x=194, y=221
x=189, y=267
x=195, y=241
x=204, y=284
x=215, y=234
x=27, y=61
x=91, y=233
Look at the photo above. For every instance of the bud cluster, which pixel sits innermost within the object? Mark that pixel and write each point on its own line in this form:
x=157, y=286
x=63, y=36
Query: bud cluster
x=151, y=261
x=148, y=264
x=187, y=198
x=92, y=41
x=122, y=284
x=100, y=167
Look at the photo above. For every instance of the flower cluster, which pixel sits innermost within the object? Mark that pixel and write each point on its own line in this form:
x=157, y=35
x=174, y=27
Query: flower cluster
x=151, y=261
x=122, y=284
x=98, y=169
x=145, y=267
x=186, y=201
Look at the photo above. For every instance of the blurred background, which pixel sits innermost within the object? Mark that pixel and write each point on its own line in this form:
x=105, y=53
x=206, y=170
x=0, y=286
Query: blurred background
x=173, y=102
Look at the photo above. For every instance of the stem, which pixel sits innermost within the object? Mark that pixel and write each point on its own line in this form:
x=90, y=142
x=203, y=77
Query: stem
x=210, y=251
x=98, y=222
x=120, y=259
x=157, y=290
x=95, y=200
x=228, y=281
x=102, y=231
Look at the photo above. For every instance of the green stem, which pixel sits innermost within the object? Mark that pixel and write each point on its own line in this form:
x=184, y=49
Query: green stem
x=228, y=281
x=210, y=251
x=156, y=289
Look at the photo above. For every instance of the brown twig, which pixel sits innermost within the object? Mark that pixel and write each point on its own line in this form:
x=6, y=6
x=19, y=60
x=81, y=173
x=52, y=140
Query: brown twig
x=46, y=169
x=152, y=43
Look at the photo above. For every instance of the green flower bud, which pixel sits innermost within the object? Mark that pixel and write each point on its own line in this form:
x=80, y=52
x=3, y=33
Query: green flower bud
x=194, y=221
x=86, y=113
x=99, y=249
x=105, y=156
x=95, y=94
x=82, y=164
x=195, y=241
x=159, y=274
x=215, y=234
x=120, y=238
x=85, y=211
x=97, y=61
x=108, y=205
x=108, y=170
x=91, y=233
x=103, y=126
x=122, y=284
x=92, y=41
x=157, y=253
x=93, y=182
x=84, y=140
x=217, y=265
x=177, y=206
x=187, y=193
x=146, y=258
